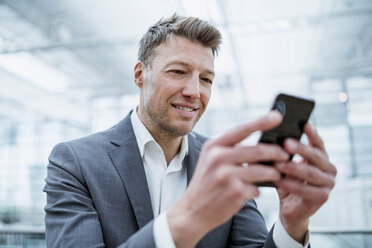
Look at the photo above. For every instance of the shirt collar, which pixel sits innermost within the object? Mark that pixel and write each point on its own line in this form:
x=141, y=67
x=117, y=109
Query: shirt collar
x=143, y=136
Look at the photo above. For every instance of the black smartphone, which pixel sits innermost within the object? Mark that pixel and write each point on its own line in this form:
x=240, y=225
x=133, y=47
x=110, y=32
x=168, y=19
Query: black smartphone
x=296, y=112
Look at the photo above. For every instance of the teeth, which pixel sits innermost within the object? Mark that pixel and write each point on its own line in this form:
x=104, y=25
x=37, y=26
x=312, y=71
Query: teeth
x=185, y=108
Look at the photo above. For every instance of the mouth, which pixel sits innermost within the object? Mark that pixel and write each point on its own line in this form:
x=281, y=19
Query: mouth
x=186, y=110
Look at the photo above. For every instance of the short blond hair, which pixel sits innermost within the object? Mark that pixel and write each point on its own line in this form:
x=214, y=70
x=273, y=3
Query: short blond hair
x=192, y=28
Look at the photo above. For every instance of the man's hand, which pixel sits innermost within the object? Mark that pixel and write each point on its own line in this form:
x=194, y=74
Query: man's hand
x=220, y=184
x=307, y=184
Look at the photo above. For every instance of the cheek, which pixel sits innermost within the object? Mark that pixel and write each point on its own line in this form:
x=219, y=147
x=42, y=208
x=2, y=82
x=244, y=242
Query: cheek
x=170, y=90
x=150, y=96
x=149, y=88
x=205, y=95
x=157, y=87
x=155, y=94
x=146, y=92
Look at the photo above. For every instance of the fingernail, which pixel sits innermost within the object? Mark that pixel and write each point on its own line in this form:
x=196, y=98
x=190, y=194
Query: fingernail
x=274, y=115
x=291, y=144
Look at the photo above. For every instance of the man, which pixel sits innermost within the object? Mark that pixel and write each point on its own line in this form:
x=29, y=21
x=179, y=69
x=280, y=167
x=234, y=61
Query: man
x=131, y=186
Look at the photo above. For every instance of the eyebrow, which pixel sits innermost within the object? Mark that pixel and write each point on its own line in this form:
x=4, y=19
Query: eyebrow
x=187, y=65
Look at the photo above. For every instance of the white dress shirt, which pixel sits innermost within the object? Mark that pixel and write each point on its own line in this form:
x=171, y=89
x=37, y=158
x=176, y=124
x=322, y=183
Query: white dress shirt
x=168, y=182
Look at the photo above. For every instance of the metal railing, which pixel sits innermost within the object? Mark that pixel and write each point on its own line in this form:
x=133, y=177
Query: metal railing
x=341, y=237
x=22, y=236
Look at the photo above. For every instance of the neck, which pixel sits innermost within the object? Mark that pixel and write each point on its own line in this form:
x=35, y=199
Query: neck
x=168, y=143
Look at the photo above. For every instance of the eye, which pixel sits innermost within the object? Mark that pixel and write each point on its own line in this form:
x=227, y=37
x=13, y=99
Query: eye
x=207, y=80
x=177, y=72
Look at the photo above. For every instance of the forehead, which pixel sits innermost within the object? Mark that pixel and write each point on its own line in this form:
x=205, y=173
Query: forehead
x=181, y=49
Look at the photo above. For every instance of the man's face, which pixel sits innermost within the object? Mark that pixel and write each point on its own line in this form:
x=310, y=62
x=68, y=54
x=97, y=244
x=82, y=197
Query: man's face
x=176, y=87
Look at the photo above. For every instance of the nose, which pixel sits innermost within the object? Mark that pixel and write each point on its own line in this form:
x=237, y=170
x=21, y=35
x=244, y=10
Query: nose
x=192, y=88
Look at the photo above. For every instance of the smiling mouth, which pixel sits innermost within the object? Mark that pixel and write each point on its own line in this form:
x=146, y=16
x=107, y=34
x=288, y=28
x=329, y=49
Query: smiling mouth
x=184, y=108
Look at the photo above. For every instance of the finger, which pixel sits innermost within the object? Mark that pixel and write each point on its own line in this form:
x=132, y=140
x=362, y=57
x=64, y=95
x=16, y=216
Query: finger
x=310, y=174
x=305, y=191
x=314, y=138
x=250, y=191
x=236, y=135
x=249, y=154
x=281, y=192
x=313, y=155
x=257, y=173
x=245, y=191
x=233, y=190
x=316, y=141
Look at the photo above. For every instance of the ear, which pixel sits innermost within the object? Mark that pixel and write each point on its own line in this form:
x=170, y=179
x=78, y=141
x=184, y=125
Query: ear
x=139, y=69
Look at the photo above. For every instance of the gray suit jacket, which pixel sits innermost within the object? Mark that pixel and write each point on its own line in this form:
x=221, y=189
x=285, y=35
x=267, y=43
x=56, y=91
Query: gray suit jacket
x=97, y=196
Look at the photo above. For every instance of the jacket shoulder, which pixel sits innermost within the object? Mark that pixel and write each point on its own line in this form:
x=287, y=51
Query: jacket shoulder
x=198, y=139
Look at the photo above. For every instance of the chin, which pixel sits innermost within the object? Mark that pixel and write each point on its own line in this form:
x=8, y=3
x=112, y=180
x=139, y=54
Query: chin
x=180, y=129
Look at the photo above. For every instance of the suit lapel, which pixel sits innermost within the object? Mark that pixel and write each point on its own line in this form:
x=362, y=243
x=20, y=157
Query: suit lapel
x=128, y=163
x=193, y=155
x=218, y=236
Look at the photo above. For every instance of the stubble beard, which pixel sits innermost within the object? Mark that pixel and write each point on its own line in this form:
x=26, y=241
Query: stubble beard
x=167, y=125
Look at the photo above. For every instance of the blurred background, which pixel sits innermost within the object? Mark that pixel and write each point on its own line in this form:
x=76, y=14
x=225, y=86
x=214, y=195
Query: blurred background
x=66, y=70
